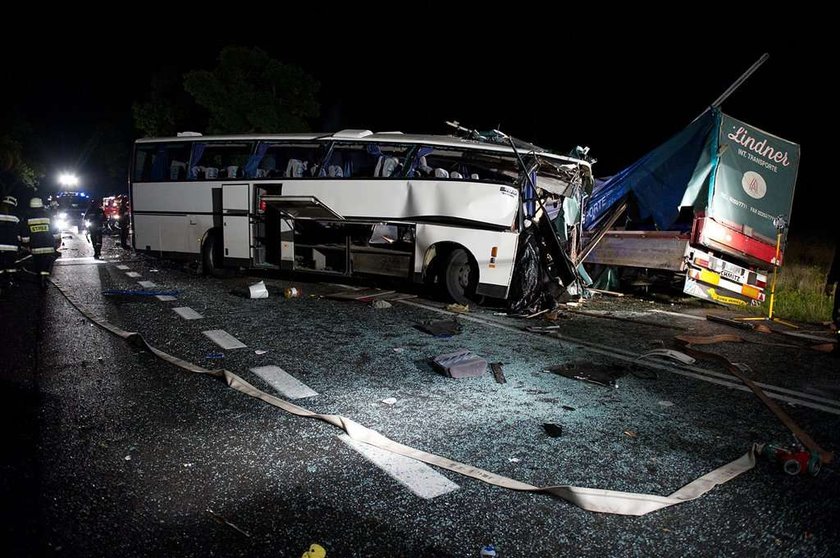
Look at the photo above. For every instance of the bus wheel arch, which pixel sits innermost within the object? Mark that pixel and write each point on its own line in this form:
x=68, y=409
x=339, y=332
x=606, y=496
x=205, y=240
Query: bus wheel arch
x=454, y=269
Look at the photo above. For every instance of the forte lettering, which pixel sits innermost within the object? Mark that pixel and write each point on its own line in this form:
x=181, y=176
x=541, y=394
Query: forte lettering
x=760, y=147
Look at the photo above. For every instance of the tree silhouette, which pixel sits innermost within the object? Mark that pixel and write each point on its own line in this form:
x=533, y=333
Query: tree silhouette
x=249, y=91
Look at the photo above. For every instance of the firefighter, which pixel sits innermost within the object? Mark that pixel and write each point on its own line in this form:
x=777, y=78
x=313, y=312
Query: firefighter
x=9, y=241
x=39, y=236
x=95, y=223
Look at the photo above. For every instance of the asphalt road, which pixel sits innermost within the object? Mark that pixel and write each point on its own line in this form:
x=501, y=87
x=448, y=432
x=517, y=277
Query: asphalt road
x=116, y=453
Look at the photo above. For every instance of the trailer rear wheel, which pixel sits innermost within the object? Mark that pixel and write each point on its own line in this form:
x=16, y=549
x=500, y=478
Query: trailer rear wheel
x=460, y=276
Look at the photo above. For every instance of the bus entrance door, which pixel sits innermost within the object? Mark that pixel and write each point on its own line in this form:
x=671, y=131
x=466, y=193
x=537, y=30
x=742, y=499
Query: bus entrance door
x=236, y=224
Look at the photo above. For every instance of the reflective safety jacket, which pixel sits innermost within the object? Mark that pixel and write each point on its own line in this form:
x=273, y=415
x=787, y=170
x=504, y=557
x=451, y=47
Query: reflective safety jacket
x=37, y=232
x=9, y=239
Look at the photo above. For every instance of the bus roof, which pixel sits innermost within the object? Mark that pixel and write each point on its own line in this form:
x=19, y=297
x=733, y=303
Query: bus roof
x=370, y=137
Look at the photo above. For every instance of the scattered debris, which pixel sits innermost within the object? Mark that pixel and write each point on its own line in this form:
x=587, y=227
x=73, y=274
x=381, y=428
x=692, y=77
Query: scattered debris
x=459, y=308
x=359, y=295
x=665, y=403
x=128, y=458
x=709, y=339
x=602, y=375
x=292, y=292
x=381, y=304
x=461, y=364
x=488, y=551
x=224, y=521
x=631, y=433
x=557, y=314
x=260, y=352
x=399, y=349
x=257, y=290
x=669, y=353
x=568, y=408
x=553, y=430
x=535, y=314
x=154, y=270
x=315, y=551
x=514, y=459
x=215, y=355
x=389, y=400
x=498, y=374
x=188, y=464
x=603, y=291
x=729, y=321
x=440, y=328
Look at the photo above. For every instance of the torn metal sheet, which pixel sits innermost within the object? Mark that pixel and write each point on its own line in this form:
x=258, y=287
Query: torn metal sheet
x=670, y=354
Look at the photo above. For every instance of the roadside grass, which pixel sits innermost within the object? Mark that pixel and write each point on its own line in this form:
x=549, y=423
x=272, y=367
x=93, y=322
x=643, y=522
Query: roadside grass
x=800, y=287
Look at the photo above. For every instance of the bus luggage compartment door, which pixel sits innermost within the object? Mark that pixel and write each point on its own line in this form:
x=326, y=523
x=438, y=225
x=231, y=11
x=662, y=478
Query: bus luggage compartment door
x=236, y=223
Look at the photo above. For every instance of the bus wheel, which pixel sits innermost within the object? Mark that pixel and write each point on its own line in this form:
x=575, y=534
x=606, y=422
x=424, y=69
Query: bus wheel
x=211, y=254
x=460, y=276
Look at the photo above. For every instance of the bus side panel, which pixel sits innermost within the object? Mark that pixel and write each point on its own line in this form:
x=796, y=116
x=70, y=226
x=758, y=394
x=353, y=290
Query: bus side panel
x=176, y=197
x=494, y=273
x=164, y=233
x=494, y=204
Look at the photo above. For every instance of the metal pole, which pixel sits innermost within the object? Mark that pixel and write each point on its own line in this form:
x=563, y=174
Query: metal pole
x=775, y=274
x=741, y=80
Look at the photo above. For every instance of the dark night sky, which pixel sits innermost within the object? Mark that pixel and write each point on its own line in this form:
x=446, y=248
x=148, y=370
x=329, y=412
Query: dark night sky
x=620, y=92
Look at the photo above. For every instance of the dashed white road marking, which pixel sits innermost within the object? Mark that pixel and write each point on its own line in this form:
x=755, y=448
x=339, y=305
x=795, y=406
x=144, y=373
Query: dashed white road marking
x=165, y=298
x=415, y=475
x=187, y=313
x=123, y=267
x=283, y=382
x=146, y=284
x=132, y=274
x=224, y=339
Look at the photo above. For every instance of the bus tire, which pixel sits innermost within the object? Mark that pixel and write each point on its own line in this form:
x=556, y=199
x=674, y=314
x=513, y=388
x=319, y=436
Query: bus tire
x=211, y=254
x=460, y=276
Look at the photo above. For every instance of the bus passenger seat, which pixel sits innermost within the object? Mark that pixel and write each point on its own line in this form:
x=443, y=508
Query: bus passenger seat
x=295, y=168
x=455, y=174
x=261, y=173
x=386, y=166
x=211, y=173
x=423, y=166
x=335, y=171
x=474, y=176
x=441, y=173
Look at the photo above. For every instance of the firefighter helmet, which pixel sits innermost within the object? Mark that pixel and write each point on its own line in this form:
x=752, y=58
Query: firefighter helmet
x=36, y=203
x=10, y=200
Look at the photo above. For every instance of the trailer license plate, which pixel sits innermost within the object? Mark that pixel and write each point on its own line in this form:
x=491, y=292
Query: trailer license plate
x=731, y=275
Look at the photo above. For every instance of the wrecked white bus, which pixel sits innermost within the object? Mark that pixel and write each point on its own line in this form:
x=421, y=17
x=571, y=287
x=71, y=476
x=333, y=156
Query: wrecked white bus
x=457, y=212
